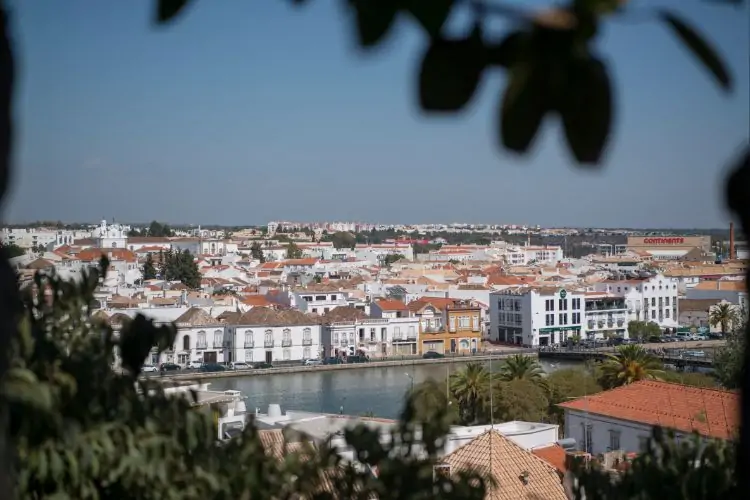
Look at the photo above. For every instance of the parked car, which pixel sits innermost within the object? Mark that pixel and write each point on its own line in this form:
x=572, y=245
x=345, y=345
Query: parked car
x=149, y=369
x=194, y=365
x=333, y=361
x=169, y=367
x=313, y=362
x=693, y=354
x=357, y=359
x=239, y=365
x=655, y=339
x=212, y=367
x=432, y=355
x=262, y=366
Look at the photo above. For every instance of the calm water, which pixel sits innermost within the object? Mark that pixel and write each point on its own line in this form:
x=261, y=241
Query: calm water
x=377, y=390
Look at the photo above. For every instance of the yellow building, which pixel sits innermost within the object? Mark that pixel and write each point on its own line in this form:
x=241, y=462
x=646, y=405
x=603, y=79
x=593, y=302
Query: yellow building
x=448, y=325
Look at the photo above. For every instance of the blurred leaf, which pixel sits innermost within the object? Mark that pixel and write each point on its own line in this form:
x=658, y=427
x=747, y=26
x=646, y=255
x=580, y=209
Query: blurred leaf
x=508, y=51
x=523, y=106
x=700, y=48
x=374, y=19
x=431, y=14
x=587, y=109
x=166, y=10
x=599, y=7
x=450, y=73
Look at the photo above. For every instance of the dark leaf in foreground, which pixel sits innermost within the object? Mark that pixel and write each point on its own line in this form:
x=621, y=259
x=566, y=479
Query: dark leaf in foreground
x=431, y=14
x=700, y=48
x=166, y=10
x=524, y=104
x=586, y=109
x=450, y=73
x=508, y=51
x=374, y=19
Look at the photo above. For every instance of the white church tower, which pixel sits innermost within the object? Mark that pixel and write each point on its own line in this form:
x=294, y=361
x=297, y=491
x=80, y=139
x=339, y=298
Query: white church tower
x=112, y=236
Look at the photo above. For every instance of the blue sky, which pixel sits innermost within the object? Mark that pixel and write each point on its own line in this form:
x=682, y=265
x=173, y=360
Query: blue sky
x=247, y=111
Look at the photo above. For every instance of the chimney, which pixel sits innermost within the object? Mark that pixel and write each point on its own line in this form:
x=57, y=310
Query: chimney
x=731, y=241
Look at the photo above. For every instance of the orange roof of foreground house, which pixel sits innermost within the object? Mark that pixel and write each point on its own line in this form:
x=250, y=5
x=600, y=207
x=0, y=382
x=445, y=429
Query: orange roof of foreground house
x=553, y=455
x=494, y=455
x=709, y=412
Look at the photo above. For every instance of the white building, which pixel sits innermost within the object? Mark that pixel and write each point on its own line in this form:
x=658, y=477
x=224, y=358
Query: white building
x=606, y=316
x=373, y=337
x=36, y=237
x=536, y=316
x=259, y=335
x=650, y=299
x=623, y=419
x=547, y=254
x=376, y=254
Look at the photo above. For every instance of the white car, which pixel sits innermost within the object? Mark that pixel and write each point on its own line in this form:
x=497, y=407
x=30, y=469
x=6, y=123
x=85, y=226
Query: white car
x=149, y=369
x=313, y=362
x=195, y=364
x=239, y=365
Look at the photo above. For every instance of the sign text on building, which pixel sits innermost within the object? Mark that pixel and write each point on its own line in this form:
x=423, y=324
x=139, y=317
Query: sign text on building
x=663, y=241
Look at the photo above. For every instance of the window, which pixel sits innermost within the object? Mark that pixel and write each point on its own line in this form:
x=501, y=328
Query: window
x=576, y=318
x=268, y=337
x=218, y=338
x=287, y=354
x=614, y=440
x=307, y=335
x=653, y=301
x=563, y=319
x=463, y=322
x=186, y=342
x=666, y=301
x=333, y=298
x=549, y=305
x=642, y=443
x=666, y=313
x=287, y=335
x=384, y=333
x=372, y=335
x=248, y=355
x=549, y=320
x=588, y=431
x=412, y=333
x=653, y=313
x=576, y=304
x=306, y=353
x=202, y=340
x=336, y=337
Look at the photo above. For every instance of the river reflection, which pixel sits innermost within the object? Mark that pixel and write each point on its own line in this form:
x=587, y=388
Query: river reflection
x=377, y=390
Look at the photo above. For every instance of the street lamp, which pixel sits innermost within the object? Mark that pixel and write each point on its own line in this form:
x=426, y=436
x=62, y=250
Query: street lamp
x=412, y=381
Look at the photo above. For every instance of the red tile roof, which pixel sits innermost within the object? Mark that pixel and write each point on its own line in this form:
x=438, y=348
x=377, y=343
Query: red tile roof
x=553, y=455
x=709, y=412
x=391, y=305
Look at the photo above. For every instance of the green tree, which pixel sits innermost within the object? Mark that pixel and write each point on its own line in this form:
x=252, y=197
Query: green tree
x=86, y=431
x=642, y=330
x=180, y=266
x=293, y=251
x=694, y=379
x=724, y=315
x=149, y=268
x=391, y=258
x=520, y=367
x=566, y=384
x=156, y=229
x=629, y=364
x=519, y=399
x=469, y=387
x=12, y=250
x=729, y=359
x=256, y=252
x=343, y=239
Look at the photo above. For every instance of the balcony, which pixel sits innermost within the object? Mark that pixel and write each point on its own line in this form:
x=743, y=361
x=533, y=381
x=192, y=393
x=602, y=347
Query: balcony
x=620, y=322
x=268, y=343
x=249, y=344
x=306, y=341
x=286, y=343
x=372, y=340
x=432, y=329
x=201, y=345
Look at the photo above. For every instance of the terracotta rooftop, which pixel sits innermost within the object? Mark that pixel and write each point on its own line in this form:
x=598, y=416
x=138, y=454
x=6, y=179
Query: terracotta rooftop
x=196, y=316
x=494, y=455
x=709, y=412
x=553, y=455
x=273, y=317
x=344, y=313
x=391, y=305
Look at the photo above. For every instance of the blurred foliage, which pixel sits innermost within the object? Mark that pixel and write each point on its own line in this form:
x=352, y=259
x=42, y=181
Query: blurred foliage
x=85, y=431
x=669, y=469
x=549, y=56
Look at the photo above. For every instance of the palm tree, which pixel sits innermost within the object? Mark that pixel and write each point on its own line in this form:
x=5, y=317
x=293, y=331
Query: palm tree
x=520, y=367
x=724, y=315
x=470, y=388
x=630, y=364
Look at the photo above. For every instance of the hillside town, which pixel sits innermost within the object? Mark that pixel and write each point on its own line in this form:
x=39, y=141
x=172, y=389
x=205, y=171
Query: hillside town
x=283, y=294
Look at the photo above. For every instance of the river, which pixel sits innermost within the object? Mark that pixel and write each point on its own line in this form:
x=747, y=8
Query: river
x=377, y=390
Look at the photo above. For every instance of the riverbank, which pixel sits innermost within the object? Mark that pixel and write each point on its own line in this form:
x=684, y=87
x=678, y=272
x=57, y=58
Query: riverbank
x=352, y=366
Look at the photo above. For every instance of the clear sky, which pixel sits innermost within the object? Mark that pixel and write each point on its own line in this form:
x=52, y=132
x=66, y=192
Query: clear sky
x=249, y=111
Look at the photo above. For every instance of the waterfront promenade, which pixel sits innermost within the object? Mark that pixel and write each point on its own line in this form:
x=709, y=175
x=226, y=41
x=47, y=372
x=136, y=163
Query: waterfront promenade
x=401, y=361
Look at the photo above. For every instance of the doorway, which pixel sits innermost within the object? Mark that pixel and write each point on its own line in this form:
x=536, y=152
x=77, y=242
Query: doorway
x=269, y=357
x=209, y=357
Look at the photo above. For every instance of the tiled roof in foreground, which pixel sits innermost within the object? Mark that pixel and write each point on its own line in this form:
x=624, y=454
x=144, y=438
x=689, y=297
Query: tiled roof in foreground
x=493, y=454
x=709, y=412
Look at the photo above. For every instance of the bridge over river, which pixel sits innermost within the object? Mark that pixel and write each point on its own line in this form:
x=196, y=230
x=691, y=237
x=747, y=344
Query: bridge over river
x=679, y=354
